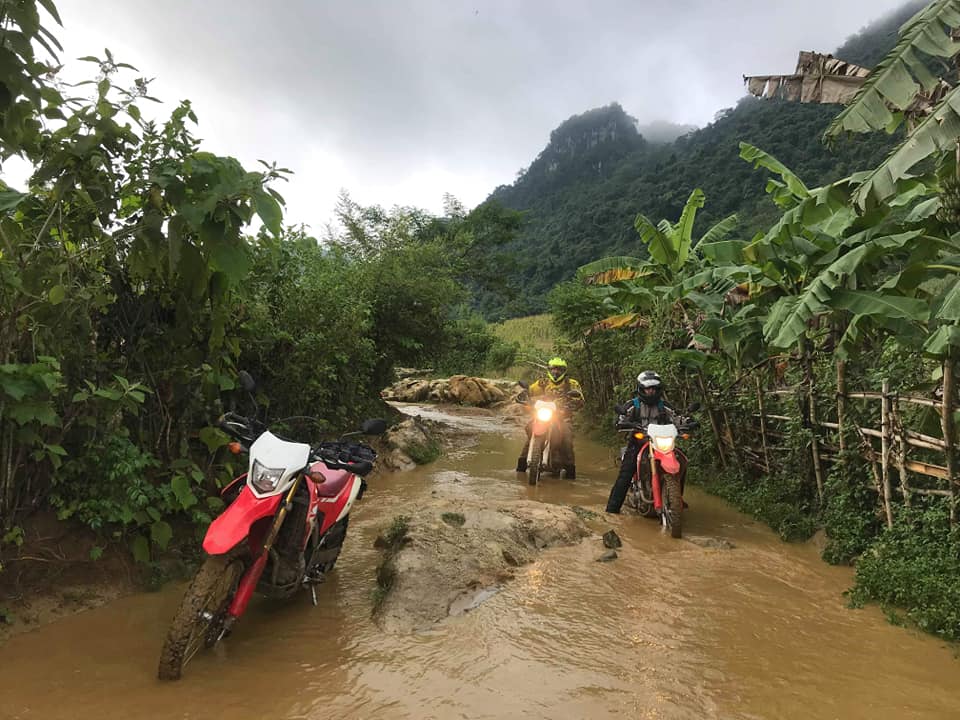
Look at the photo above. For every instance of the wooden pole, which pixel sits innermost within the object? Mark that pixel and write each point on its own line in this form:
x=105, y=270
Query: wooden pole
x=713, y=420
x=763, y=425
x=814, y=442
x=812, y=415
x=946, y=424
x=885, y=451
x=901, y=437
x=841, y=402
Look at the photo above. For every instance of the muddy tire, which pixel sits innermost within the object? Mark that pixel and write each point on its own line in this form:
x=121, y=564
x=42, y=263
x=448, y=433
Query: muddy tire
x=674, y=506
x=199, y=619
x=533, y=467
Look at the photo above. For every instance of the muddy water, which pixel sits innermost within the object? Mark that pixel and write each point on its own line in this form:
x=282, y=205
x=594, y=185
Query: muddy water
x=671, y=629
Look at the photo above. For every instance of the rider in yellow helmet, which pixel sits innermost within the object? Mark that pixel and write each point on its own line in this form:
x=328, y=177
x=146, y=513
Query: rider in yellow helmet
x=557, y=385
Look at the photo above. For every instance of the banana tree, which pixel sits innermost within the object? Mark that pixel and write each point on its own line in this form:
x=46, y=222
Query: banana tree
x=633, y=286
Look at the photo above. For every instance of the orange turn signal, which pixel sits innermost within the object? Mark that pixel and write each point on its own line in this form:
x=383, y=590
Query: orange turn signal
x=235, y=447
x=317, y=476
x=686, y=436
x=638, y=435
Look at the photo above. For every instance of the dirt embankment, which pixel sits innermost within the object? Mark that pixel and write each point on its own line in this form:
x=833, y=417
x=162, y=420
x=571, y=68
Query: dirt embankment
x=457, y=390
x=452, y=555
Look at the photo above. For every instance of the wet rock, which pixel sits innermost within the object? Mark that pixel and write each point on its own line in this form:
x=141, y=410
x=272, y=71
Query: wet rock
x=451, y=567
x=611, y=540
x=583, y=513
x=710, y=542
x=406, y=441
x=608, y=556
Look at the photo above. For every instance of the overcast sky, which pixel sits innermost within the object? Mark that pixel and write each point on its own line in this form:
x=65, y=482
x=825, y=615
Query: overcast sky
x=399, y=102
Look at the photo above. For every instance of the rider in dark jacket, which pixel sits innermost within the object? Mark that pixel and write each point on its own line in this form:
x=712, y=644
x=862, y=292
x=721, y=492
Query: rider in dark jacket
x=647, y=406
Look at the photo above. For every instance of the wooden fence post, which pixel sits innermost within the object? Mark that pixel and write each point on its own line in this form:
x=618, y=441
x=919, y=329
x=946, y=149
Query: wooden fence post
x=885, y=450
x=900, y=433
x=841, y=402
x=713, y=420
x=946, y=424
x=815, y=443
x=763, y=425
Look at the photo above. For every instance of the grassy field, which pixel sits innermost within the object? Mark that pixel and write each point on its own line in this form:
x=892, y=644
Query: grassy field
x=534, y=332
x=536, y=337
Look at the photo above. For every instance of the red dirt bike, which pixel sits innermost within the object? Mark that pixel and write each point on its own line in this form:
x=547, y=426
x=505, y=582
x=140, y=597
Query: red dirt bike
x=282, y=530
x=656, y=489
x=542, y=454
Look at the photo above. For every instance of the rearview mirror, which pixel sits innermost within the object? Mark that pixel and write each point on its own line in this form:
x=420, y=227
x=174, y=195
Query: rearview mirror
x=693, y=407
x=247, y=382
x=375, y=426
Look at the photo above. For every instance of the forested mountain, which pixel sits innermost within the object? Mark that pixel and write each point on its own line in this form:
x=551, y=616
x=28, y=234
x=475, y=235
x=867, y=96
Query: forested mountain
x=581, y=194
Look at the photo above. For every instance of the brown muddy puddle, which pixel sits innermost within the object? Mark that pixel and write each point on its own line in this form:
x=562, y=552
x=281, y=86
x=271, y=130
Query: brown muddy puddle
x=671, y=629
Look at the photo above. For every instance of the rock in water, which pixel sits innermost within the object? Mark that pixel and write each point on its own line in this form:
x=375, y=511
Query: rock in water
x=611, y=540
x=608, y=556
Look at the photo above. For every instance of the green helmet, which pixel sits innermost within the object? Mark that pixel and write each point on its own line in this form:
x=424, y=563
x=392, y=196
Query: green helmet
x=557, y=369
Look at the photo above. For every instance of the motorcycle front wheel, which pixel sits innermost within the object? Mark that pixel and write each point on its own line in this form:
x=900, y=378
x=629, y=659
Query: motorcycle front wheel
x=533, y=467
x=673, y=506
x=198, y=623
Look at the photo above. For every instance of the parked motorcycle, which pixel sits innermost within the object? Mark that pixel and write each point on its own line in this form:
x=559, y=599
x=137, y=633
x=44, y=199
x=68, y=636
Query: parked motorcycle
x=543, y=455
x=282, y=530
x=656, y=489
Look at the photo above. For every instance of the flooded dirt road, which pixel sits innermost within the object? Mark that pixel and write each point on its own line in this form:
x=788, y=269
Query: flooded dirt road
x=671, y=629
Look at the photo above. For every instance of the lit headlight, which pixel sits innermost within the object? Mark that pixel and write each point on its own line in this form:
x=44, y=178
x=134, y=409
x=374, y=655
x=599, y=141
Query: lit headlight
x=544, y=414
x=664, y=444
x=264, y=479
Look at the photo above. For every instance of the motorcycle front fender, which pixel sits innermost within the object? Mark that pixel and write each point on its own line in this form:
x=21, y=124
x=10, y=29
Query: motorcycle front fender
x=668, y=461
x=233, y=525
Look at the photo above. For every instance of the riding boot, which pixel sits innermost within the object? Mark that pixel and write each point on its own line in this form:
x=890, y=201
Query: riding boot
x=571, y=472
x=522, y=464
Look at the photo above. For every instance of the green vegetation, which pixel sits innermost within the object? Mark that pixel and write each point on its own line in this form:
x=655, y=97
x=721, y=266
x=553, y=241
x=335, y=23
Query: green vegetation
x=580, y=196
x=454, y=519
x=856, y=277
x=390, y=542
x=424, y=453
x=132, y=291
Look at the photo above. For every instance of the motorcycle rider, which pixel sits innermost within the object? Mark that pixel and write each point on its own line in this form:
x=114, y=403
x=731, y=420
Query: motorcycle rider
x=569, y=395
x=647, y=406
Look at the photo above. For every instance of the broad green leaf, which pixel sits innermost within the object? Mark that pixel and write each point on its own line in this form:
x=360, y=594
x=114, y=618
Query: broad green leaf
x=141, y=549
x=161, y=533
x=269, y=211
x=760, y=158
x=609, y=270
x=213, y=438
x=689, y=358
x=937, y=132
x=660, y=246
x=57, y=294
x=10, y=199
x=892, y=81
x=865, y=303
x=683, y=232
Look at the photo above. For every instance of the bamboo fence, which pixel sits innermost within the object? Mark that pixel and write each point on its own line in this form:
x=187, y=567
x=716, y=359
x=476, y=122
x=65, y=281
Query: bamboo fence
x=894, y=468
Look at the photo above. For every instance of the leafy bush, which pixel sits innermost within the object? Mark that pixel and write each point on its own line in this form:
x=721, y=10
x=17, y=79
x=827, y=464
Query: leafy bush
x=915, y=566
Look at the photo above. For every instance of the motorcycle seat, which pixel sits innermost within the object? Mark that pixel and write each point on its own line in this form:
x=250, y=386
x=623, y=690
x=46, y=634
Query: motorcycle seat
x=335, y=482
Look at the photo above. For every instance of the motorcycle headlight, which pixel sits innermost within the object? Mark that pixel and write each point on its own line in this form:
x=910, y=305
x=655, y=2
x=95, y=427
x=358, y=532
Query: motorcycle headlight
x=544, y=414
x=264, y=479
x=664, y=444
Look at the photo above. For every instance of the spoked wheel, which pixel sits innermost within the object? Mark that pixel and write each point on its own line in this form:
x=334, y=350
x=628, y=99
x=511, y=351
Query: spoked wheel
x=199, y=622
x=673, y=506
x=533, y=467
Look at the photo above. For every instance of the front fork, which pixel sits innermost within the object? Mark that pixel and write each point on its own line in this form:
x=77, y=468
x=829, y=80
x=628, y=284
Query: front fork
x=248, y=583
x=544, y=458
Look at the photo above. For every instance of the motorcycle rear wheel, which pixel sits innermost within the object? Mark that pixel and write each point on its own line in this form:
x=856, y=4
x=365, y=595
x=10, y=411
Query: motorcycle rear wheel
x=199, y=620
x=533, y=467
x=674, y=506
